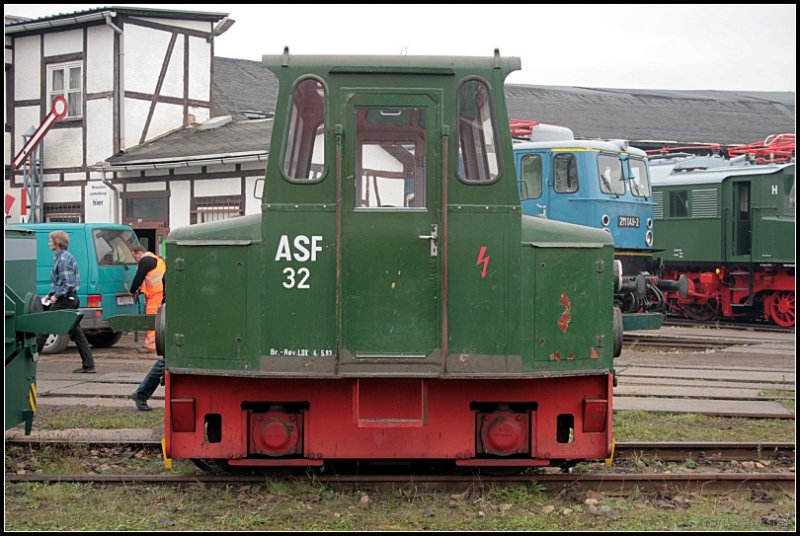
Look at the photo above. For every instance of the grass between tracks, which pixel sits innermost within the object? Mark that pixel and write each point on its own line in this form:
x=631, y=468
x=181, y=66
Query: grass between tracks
x=308, y=505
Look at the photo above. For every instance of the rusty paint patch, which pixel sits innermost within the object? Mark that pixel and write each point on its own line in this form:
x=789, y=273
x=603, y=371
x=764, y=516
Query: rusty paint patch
x=593, y=353
x=563, y=322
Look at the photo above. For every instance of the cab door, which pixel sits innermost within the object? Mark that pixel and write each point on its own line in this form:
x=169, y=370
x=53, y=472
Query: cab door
x=742, y=219
x=390, y=234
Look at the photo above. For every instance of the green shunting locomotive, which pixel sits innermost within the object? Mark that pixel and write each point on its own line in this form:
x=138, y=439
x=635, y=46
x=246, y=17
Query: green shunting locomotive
x=391, y=301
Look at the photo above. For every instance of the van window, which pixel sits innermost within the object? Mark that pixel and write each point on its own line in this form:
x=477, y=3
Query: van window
x=113, y=246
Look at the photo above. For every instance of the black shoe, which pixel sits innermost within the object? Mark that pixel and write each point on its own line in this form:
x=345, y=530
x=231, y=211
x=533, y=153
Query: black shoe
x=141, y=405
x=84, y=370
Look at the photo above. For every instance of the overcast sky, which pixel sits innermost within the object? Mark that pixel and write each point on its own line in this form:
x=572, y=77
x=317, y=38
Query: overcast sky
x=722, y=47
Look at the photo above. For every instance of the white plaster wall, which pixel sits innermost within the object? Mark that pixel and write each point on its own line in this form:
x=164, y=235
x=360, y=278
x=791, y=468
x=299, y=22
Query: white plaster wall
x=251, y=204
x=63, y=147
x=66, y=194
x=146, y=187
x=217, y=187
x=75, y=176
x=68, y=42
x=27, y=68
x=200, y=69
x=51, y=177
x=100, y=59
x=25, y=118
x=173, y=80
x=99, y=130
x=179, y=204
x=166, y=118
x=144, y=53
x=135, y=117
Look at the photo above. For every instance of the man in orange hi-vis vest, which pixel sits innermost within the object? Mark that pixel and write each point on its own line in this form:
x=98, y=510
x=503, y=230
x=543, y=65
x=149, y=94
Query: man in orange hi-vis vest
x=149, y=279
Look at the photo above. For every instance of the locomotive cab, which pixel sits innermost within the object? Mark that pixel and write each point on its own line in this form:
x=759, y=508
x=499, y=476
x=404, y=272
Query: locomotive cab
x=601, y=184
x=391, y=301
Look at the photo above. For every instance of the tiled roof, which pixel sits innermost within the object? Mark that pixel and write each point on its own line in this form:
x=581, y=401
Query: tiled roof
x=725, y=117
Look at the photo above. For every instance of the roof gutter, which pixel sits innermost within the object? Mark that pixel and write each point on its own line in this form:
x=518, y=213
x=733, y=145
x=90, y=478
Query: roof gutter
x=219, y=160
x=59, y=22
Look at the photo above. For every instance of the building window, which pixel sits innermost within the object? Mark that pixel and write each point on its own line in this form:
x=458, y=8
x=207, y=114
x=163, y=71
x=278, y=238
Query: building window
x=145, y=207
x=217, y=208
x=66, y=80
x=63, y=212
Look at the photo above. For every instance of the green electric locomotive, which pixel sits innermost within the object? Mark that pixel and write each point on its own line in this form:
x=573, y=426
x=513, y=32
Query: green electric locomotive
x=391, y=301
x=731, y=230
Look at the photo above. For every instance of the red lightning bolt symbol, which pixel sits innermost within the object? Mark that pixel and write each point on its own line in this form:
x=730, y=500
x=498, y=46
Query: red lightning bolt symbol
x=484, y=260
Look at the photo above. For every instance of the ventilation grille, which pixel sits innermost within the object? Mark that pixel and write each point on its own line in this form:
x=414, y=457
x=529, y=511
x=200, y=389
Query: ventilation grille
x=704, y=203
x=658, y=209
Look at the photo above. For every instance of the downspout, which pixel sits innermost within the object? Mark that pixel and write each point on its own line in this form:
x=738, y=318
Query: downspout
x=121, y=82
x=115, y=210
x=120, y=107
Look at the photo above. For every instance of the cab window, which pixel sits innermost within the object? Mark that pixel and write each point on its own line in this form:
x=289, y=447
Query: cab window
x=565, y=173
x=679, y=204
x=390, y=157
x=640, y=181
x=477, y=149
x=304, y=156
x=530, y=184
x=611, y=177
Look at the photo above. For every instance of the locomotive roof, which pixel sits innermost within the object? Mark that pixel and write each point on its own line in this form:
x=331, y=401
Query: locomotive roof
x=718, y=175
x=373, y=64
x=611, y=146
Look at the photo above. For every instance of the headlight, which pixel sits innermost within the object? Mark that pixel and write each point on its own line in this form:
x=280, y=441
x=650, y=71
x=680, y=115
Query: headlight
x=648, y=238
x=605, y=220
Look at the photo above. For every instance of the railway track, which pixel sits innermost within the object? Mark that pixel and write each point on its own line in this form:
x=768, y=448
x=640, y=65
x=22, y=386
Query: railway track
x=622, y=478
x=699, y=340
x=720, y=324
x=618, y=483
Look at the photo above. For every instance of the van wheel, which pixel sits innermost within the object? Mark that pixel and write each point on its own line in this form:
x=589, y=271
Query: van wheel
x=105, y=339
x=55, y=344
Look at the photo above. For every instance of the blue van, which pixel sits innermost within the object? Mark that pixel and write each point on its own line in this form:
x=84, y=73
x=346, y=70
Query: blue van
x=106, y=267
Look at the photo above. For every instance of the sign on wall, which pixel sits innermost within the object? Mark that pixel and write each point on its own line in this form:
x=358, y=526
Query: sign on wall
x=99, y=203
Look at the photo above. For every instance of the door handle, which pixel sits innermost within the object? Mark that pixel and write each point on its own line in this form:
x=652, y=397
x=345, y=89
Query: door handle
x=433, y=237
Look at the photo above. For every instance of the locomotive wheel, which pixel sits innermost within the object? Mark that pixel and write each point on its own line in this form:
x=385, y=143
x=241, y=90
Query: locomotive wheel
x=702, y=311
x=781, y=308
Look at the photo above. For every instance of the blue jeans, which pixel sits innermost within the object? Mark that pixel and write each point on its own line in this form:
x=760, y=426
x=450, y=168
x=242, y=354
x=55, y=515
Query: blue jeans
x=150, y=382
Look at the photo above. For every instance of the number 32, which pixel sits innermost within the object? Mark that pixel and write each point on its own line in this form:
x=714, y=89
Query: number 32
x=302, y=275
